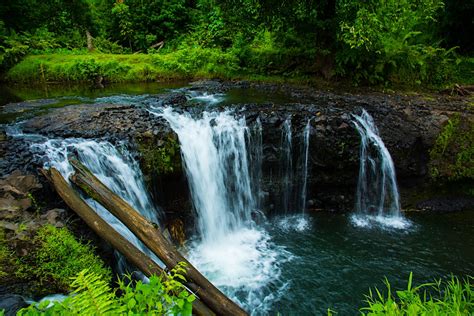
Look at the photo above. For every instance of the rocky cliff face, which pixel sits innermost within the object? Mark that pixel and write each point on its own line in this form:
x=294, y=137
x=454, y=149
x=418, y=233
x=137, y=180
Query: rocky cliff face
x=408, y=125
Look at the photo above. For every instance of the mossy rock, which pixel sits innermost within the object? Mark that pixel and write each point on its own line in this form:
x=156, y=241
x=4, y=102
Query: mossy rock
x=47, y=261
x=159, y=155
x=452, y=157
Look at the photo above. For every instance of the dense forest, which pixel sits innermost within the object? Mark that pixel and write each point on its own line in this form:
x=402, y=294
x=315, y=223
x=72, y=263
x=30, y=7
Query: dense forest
x=404, y=42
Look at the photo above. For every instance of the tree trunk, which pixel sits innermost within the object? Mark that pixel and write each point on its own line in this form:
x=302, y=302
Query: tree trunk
x=109, y=234
x=148, y=233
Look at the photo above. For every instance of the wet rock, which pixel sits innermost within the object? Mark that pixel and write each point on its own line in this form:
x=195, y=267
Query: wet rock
x=447, y=204
x=12, y=303
x=408, y=125
x=54, y=217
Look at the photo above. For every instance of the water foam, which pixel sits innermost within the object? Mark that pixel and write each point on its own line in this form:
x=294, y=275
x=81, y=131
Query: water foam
x=296, y=222
x=370, y=221
x=205, y=97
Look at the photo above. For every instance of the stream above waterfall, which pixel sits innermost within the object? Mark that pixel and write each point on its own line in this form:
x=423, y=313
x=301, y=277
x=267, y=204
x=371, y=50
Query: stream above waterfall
x=269, y=188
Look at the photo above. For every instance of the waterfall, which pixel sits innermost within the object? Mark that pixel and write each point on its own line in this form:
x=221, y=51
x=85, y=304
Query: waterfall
x=286, y=166
x=256, y=158
x=294, y=177
x=377, y=193
x=115, y=168
x=217, y=167
x=230, y=249
x=301, y=193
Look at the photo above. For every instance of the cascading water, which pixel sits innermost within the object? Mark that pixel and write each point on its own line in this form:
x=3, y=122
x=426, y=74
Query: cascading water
x=255, y=142
x=286, y=165
x=301, y=192
x=231, y=250
x=217, y=166
x=377, y=195
x=294, y=179
x=116, y=169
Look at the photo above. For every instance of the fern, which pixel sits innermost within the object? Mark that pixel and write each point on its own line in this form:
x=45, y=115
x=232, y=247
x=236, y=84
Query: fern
x=93, y=296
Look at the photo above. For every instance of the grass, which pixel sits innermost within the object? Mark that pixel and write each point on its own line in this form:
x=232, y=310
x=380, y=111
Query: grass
x=453, y=297
x=253, y=64
x=124, y=68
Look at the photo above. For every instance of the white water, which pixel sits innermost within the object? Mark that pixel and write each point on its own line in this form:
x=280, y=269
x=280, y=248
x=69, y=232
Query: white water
x=234, y=253
x=301, y=193
x=256, y=158
x=205, y=97
x=286, y=165
x=377, y=198
x=115, y=168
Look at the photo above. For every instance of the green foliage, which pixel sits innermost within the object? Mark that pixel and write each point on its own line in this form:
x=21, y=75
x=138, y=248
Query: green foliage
x=58, y=256
x=61, y=256
x=7, y=262
x=374, y=42
x=160, y=295
x=452, y=156
x=389, y=41
x=184, y=63
x=197, y=61
x=93, y=296
x=454, y=297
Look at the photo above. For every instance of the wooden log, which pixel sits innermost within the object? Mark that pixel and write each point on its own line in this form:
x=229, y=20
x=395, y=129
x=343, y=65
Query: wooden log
x=109, y=234
x=152, y=238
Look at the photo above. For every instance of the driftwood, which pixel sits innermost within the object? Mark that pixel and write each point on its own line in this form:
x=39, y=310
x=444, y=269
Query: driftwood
x=158, y=45
x=148, y=233
x=109, y=234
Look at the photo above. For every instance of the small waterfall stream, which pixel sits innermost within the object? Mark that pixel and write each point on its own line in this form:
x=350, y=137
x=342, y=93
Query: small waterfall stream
x=377, y=195
x=116, y=169
x=286, y=166
x=303, y=169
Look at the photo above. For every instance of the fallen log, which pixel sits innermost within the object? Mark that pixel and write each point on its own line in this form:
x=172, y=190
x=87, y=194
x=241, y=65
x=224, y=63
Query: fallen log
x=151, y=237
x=109, y=234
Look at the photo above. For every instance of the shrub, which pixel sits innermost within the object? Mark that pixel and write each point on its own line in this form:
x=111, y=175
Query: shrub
x=389, y=41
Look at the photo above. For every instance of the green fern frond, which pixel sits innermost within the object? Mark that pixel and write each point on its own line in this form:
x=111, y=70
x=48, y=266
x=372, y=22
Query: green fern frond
x=93, y=296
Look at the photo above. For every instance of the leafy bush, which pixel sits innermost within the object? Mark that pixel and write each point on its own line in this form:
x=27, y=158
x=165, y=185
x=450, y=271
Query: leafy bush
x=389, y=41
x=196, y=61
x=453, y=297
x=93, y=296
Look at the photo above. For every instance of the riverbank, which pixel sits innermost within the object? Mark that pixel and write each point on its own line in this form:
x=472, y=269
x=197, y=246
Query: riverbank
x=207, y=63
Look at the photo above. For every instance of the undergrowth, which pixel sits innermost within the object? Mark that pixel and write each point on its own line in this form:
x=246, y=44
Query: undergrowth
x=453, y=297
x=48, y=260
x=93, y=296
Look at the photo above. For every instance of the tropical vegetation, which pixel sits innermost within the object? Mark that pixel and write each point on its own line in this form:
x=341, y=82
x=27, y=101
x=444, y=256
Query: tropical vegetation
x=365, y=42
